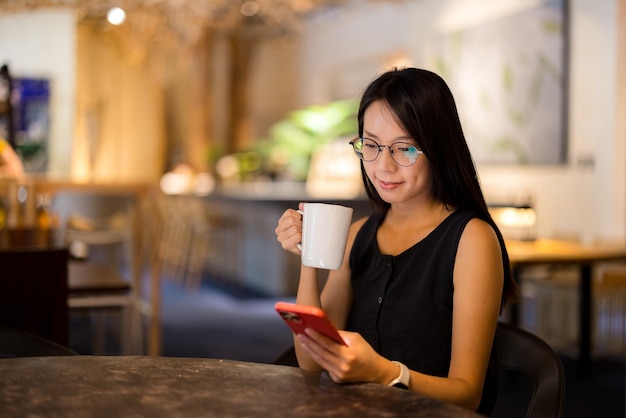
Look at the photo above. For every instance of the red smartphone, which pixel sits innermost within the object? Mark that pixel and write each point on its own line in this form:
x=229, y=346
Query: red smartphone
x=299, y=317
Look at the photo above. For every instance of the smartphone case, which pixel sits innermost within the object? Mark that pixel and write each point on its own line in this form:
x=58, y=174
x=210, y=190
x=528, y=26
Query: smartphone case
x=299, y=317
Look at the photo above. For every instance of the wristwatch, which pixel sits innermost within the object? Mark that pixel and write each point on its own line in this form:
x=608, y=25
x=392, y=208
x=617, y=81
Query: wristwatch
x=402, y=381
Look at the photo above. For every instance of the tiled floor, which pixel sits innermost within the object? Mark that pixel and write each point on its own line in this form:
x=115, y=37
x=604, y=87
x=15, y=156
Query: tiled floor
x=215, y=324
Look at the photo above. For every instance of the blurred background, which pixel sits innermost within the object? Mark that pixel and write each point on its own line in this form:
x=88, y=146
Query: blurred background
x=189, y=82
x=169, y=136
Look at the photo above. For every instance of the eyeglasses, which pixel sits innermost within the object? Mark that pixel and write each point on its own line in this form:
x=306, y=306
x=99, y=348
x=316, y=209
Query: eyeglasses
x=402, y=153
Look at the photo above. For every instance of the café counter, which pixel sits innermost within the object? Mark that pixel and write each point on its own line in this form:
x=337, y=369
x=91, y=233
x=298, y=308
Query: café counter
x=252, y=211
x=82, y=386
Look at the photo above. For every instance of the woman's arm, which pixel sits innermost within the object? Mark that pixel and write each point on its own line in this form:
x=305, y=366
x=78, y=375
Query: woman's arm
x=478, y=280
x=335, y=298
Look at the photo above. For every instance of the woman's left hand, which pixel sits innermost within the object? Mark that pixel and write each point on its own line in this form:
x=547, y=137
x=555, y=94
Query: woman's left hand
x=355, y=362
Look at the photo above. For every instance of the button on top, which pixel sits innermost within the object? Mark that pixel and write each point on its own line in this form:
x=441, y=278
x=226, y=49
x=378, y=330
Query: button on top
x=380, y=299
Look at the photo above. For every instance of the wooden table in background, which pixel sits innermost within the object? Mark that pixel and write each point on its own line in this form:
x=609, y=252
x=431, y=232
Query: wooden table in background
x=556, y=252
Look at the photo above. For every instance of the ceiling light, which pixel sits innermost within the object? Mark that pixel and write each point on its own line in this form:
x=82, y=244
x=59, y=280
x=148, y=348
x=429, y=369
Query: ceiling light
x=116, y=16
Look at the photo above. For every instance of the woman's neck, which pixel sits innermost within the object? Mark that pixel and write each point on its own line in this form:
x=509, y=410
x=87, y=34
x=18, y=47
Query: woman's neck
x=403, y=228
x=429, y=213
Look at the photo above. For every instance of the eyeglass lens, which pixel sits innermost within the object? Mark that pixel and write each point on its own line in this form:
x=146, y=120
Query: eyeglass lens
x=402, y=153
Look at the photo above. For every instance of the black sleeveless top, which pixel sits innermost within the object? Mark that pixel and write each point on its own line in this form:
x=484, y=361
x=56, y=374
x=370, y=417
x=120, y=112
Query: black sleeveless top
x=402, y=305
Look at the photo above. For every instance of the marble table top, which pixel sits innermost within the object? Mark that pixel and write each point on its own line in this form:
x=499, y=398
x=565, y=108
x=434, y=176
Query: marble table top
x=137, y=386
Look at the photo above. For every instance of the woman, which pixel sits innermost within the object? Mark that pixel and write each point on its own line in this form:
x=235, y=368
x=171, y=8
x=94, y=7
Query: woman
x=424, y=279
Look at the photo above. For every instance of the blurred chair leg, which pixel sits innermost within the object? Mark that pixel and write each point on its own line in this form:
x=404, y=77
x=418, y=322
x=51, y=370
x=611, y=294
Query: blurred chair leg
x=98, y=333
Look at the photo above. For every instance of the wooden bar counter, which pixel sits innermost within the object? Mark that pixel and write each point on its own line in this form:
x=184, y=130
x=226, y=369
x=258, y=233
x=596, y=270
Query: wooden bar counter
x=263, y=265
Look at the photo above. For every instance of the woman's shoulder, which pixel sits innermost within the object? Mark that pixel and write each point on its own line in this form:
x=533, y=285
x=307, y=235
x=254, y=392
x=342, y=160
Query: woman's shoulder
x=466, y=223
x=479, y=235
x=362, y=231
x=373, y=218
x=359, y=223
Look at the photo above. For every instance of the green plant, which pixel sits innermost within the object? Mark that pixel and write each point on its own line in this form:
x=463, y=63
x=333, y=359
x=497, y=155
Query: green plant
x=292, y=141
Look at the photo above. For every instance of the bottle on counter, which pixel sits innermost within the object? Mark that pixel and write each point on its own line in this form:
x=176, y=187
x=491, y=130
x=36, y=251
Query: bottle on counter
x=3, y=214
x=45, y=218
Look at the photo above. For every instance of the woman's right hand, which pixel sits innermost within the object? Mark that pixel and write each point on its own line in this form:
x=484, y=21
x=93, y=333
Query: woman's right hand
x=289, y=230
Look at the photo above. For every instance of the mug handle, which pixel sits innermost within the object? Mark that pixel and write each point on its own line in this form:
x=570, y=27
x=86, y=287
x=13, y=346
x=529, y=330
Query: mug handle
x=299, y=246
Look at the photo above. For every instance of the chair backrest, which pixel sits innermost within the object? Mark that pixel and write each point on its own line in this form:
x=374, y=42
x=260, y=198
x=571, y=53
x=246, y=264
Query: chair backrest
x=287, y=358
x=15, y=343
x=526, y=353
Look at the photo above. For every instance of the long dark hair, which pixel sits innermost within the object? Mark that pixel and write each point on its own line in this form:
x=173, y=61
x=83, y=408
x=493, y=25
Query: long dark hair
x=425, y=107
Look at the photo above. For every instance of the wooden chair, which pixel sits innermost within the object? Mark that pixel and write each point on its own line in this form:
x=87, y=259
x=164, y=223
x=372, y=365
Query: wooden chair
x=525, y=353
x=287, y=358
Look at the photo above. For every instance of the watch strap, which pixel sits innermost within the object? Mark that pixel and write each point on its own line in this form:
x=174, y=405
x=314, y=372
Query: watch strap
x=402, y=381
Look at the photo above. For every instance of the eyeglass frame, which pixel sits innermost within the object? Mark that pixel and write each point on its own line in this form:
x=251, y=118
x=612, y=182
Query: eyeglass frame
x=380, y=149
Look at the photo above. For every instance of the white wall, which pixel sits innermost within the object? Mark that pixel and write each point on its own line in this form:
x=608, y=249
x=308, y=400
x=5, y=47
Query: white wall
x=43, y=44
x=582, y=199
x=342, y=52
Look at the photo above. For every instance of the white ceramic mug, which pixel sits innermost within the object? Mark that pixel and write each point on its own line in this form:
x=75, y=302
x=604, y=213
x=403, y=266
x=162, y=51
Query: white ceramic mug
x=324, y=234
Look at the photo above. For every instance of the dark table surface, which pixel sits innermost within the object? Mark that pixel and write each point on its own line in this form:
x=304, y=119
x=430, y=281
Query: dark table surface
x=91, y=386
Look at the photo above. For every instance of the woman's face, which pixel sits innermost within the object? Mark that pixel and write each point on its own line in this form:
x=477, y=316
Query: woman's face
x=395, y=184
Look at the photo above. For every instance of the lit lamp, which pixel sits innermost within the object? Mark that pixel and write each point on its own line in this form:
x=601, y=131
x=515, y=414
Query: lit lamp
x=116, y=16
x=334, y=172
x=515, y=221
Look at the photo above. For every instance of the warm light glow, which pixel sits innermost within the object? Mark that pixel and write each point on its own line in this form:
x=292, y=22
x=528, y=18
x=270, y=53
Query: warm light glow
x=515, y=217
x=116, y=16
x=515, y=222
x=203, y=184
x=334, y=172
x=399, y=60
x=174, y=183
x=227, y=167
x=249, y=8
